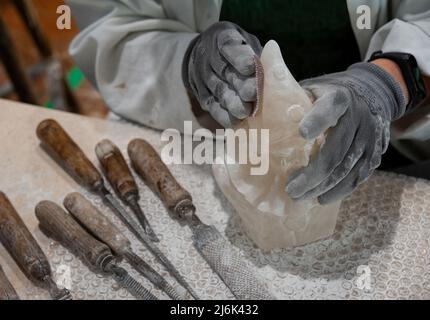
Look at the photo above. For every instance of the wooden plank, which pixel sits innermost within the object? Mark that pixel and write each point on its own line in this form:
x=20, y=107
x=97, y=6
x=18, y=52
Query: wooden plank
x=14, y=68
x=29, y=15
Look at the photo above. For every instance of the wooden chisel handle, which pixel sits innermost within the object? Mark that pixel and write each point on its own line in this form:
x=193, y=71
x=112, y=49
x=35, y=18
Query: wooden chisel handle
x=117, y=171
x=7, y=291
x=67, y=152
x=60, y=226
x=94, y=221
x=21, y=245
x=148, y=164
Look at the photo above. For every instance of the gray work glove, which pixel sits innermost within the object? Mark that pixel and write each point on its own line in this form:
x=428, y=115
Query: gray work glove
x=219, y=70
x=356, y=107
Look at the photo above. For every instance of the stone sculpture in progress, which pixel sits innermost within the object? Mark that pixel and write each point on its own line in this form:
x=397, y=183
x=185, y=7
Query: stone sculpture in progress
x=271, y=218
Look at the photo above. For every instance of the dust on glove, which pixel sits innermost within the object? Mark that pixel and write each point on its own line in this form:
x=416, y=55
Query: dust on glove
x=355, y=108
x=219, y=70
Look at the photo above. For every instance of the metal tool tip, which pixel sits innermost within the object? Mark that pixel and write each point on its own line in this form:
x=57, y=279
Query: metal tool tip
x=67, y=296
x=151, y=234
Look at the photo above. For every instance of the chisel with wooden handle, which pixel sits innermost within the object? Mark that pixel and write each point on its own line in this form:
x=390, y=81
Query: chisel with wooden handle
x=7, y=291
x=55, y=223
x=59, y=145
x=64, y=150
x=219, y=254
x=25, y=250
x=119, y=175
x=104, y=230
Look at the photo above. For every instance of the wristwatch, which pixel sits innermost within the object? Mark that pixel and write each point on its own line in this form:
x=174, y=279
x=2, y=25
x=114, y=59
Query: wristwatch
x=411, y=74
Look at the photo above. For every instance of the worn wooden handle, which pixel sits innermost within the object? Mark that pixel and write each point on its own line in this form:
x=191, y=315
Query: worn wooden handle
x=20, y=243
x=116, y=169
x=7, y=291
x=94, y=221
x=154, y=172
x=68, y=154
x=60, y=226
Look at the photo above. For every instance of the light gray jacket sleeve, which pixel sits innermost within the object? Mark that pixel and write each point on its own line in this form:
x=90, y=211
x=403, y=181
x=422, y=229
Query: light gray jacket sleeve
x=395, y=25
x=400, y=25
x=132, y=51
x=409, y=32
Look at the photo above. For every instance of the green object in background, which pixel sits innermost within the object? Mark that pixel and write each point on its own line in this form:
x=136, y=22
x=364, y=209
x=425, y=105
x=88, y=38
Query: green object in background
x=49, y=105
x=75, y=77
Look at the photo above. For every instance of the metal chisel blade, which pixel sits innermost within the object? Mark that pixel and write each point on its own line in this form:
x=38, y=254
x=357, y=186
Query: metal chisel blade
x=123, y=214
x=168, y=265
x=134, y=205
x=227, y=263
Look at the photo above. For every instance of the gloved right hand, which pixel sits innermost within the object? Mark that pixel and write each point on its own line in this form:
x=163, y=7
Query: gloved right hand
x=219, y=70
x=355, y=108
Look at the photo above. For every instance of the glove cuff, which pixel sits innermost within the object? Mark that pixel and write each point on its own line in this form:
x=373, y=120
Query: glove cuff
x=385, y=84
x=186, y=62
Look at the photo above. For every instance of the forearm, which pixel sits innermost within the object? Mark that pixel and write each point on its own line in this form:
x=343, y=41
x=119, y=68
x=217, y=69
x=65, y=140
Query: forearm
x=408, y=32
x=135, y=61
x=394, y=70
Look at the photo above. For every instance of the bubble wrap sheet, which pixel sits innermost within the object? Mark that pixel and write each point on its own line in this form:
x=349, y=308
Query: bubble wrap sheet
x=384, y=225
x=380, y=249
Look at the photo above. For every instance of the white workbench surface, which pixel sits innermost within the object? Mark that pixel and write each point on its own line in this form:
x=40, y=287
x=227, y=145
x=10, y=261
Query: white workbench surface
x=384, y=225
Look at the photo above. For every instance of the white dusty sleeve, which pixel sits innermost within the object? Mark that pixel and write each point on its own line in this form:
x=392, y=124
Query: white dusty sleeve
x=409, y=33
x=133, y=55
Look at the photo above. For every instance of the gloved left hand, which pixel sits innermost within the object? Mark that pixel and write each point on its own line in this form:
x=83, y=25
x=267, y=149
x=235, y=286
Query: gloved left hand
x=356, y=108
x=219, y=70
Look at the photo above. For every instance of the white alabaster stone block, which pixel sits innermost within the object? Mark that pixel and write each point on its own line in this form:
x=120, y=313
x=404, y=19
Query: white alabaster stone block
x=271, y=218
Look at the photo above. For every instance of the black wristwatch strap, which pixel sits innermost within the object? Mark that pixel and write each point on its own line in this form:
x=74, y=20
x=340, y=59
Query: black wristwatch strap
x=411, y=73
